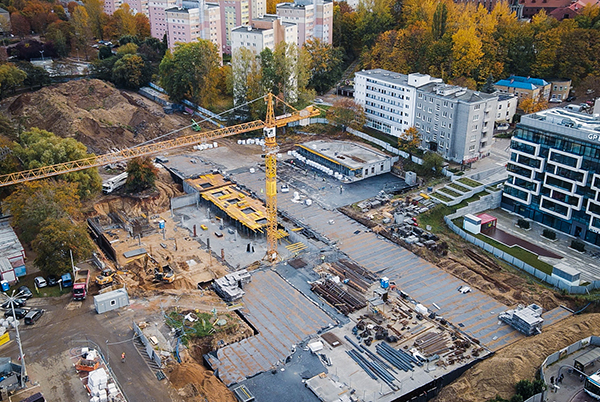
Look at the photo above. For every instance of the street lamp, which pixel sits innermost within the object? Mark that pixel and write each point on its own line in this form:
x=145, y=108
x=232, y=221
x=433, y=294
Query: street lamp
x=12, y=300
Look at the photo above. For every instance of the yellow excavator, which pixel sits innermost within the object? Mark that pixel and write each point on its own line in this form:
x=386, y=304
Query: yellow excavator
x=106, y=278
x=162, y=273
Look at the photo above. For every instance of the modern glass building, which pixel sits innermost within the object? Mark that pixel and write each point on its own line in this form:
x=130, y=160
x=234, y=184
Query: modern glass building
x=554, y=172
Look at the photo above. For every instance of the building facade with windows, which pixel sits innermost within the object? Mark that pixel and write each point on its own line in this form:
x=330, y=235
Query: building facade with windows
x=193, y=21
x=554, y=172
x=453, y=121
x=265, y=32
x=314, y=19
x=389, y=98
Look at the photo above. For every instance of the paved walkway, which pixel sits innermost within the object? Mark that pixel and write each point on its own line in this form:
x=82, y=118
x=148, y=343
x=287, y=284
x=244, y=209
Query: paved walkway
x=476, y=313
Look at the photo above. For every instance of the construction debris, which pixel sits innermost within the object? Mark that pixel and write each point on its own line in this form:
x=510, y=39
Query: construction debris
x=229, y=287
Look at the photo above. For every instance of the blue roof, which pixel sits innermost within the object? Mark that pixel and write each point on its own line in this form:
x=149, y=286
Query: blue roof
x=515, y=81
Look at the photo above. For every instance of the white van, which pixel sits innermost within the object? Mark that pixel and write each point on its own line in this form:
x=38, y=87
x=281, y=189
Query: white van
x=574, y=108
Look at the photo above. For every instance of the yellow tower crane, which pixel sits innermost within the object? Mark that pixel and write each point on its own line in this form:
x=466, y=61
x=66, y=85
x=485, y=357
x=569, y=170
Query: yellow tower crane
x=269, y=126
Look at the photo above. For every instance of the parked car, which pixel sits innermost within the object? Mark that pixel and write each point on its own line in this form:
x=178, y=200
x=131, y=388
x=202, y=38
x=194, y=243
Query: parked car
x=52, y=280
x=33, y=316
x=24, y=293
x=19, y=313
x=40, y=282
x=571, y=98
x=18, y=304
x=555, y=100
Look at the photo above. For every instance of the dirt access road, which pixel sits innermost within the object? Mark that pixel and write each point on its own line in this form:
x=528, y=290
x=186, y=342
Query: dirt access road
x=66, y=325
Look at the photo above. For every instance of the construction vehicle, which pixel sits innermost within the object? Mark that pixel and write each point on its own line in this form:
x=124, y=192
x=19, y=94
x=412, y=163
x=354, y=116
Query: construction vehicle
x=164, y=274
x=196, y=126
x=80, y=284
x=106, y=278
x=269, y=126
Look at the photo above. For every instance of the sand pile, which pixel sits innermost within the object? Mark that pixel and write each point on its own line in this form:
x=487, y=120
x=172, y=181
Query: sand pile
x=93, y=112
x=196, y=383
x=519, y=361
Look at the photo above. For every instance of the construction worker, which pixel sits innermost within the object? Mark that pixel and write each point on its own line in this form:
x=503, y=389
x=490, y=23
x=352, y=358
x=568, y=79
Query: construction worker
x=123, y=357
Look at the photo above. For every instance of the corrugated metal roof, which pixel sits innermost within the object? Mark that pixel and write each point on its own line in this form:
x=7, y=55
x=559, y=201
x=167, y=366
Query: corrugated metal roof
x=10, y=246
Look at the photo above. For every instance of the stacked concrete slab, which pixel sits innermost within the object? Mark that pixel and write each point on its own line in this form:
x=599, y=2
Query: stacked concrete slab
x=229, y=287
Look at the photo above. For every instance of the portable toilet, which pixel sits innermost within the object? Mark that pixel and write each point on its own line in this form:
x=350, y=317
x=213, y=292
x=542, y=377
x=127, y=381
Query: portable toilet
x=384, y=282
x=5, y=286
x=67, y=281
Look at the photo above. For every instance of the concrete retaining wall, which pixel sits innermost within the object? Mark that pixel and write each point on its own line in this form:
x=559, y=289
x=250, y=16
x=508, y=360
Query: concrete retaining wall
x=184, y=201
x=148, y=346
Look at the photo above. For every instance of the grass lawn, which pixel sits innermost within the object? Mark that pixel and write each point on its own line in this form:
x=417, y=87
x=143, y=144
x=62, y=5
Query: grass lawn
x=458, y=187
x=27, y=280
x=441, y=197
x=393, y=141
x=450, y=192
x=435, y=218
x=469, y=182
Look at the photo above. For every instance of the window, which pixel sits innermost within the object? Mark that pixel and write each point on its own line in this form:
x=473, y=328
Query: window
x=476, y=117
x=113, y=302
x=472, y=148
x=373, y=169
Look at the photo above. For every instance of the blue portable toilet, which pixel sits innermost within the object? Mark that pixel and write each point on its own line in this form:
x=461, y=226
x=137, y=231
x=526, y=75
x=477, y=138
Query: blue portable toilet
x=384, y=282
x=5, y=286
x=66, y=280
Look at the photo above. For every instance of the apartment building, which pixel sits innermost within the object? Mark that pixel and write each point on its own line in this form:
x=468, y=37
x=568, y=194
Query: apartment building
x=137, y=6
x=389, y=98
x=455, y=122
x=265, y=32
x=195, y=20
x=110, y=6
x=554, y=172
x=507, y=107
x=158, y=16
x=314, y=19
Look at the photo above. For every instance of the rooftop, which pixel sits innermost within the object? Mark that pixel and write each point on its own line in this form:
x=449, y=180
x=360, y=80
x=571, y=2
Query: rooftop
x=516, y=81
x=352, y=155
x=578, y=125
x=207, y=182
x=9, y=242
x=456, y=93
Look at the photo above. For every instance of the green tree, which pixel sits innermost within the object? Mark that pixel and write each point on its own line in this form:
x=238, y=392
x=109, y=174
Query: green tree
x=488, y=87
x=440, y=18
x=325, y=66
x=60, y=33
x=432, y=164
x=37, y=148
x=10, y=77
x=129, y=48
x=128, y=72
x=103, y=68
x=104, y=52
x=347, y=113
x=267, y=68
x=57, y=240
x=191, y=71
x=34, y=202
x=141, y=175
x=36, y=76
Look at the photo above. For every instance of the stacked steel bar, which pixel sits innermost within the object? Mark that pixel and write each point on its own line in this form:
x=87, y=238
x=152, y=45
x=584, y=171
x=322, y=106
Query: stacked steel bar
x=357, y=269
x=373, y=368
x=398, y=358
x=346, y=301
x=351, y=277
x=432, y=343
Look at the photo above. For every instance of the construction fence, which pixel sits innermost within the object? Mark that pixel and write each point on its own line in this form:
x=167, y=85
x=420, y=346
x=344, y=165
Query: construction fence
x=148, y=346
x=520, y=264
x=560, y=354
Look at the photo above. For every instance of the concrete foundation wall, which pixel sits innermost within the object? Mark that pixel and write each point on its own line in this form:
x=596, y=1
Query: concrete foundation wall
x=184, y=201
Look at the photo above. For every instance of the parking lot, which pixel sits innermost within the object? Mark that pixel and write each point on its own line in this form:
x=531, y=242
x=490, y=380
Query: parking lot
x=67, y=324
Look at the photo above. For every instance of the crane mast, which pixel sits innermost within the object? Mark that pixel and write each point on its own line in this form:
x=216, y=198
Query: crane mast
x=269, y=126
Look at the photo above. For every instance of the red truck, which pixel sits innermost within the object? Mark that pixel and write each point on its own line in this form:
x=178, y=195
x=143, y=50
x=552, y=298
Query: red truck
x=80, y=284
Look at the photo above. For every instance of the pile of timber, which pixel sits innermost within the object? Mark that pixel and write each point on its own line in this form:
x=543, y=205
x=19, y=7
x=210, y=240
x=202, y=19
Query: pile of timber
x=433, y=343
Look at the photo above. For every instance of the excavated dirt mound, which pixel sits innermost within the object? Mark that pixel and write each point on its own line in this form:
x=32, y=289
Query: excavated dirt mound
x=197, y=384
x=519, y=361
x=95, y=113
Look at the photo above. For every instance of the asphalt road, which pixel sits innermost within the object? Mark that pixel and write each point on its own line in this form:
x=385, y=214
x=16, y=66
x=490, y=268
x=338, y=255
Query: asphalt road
x=67, y=325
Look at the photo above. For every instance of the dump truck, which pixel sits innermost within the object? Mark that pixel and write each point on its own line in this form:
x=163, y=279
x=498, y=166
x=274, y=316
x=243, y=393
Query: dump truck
x=106, y=278
x=164, y=274
x=80, y=284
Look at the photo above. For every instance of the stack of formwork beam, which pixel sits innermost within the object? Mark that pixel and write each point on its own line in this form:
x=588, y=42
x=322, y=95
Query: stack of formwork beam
x=345, y=300
x=432, y=343
x=351, y=278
